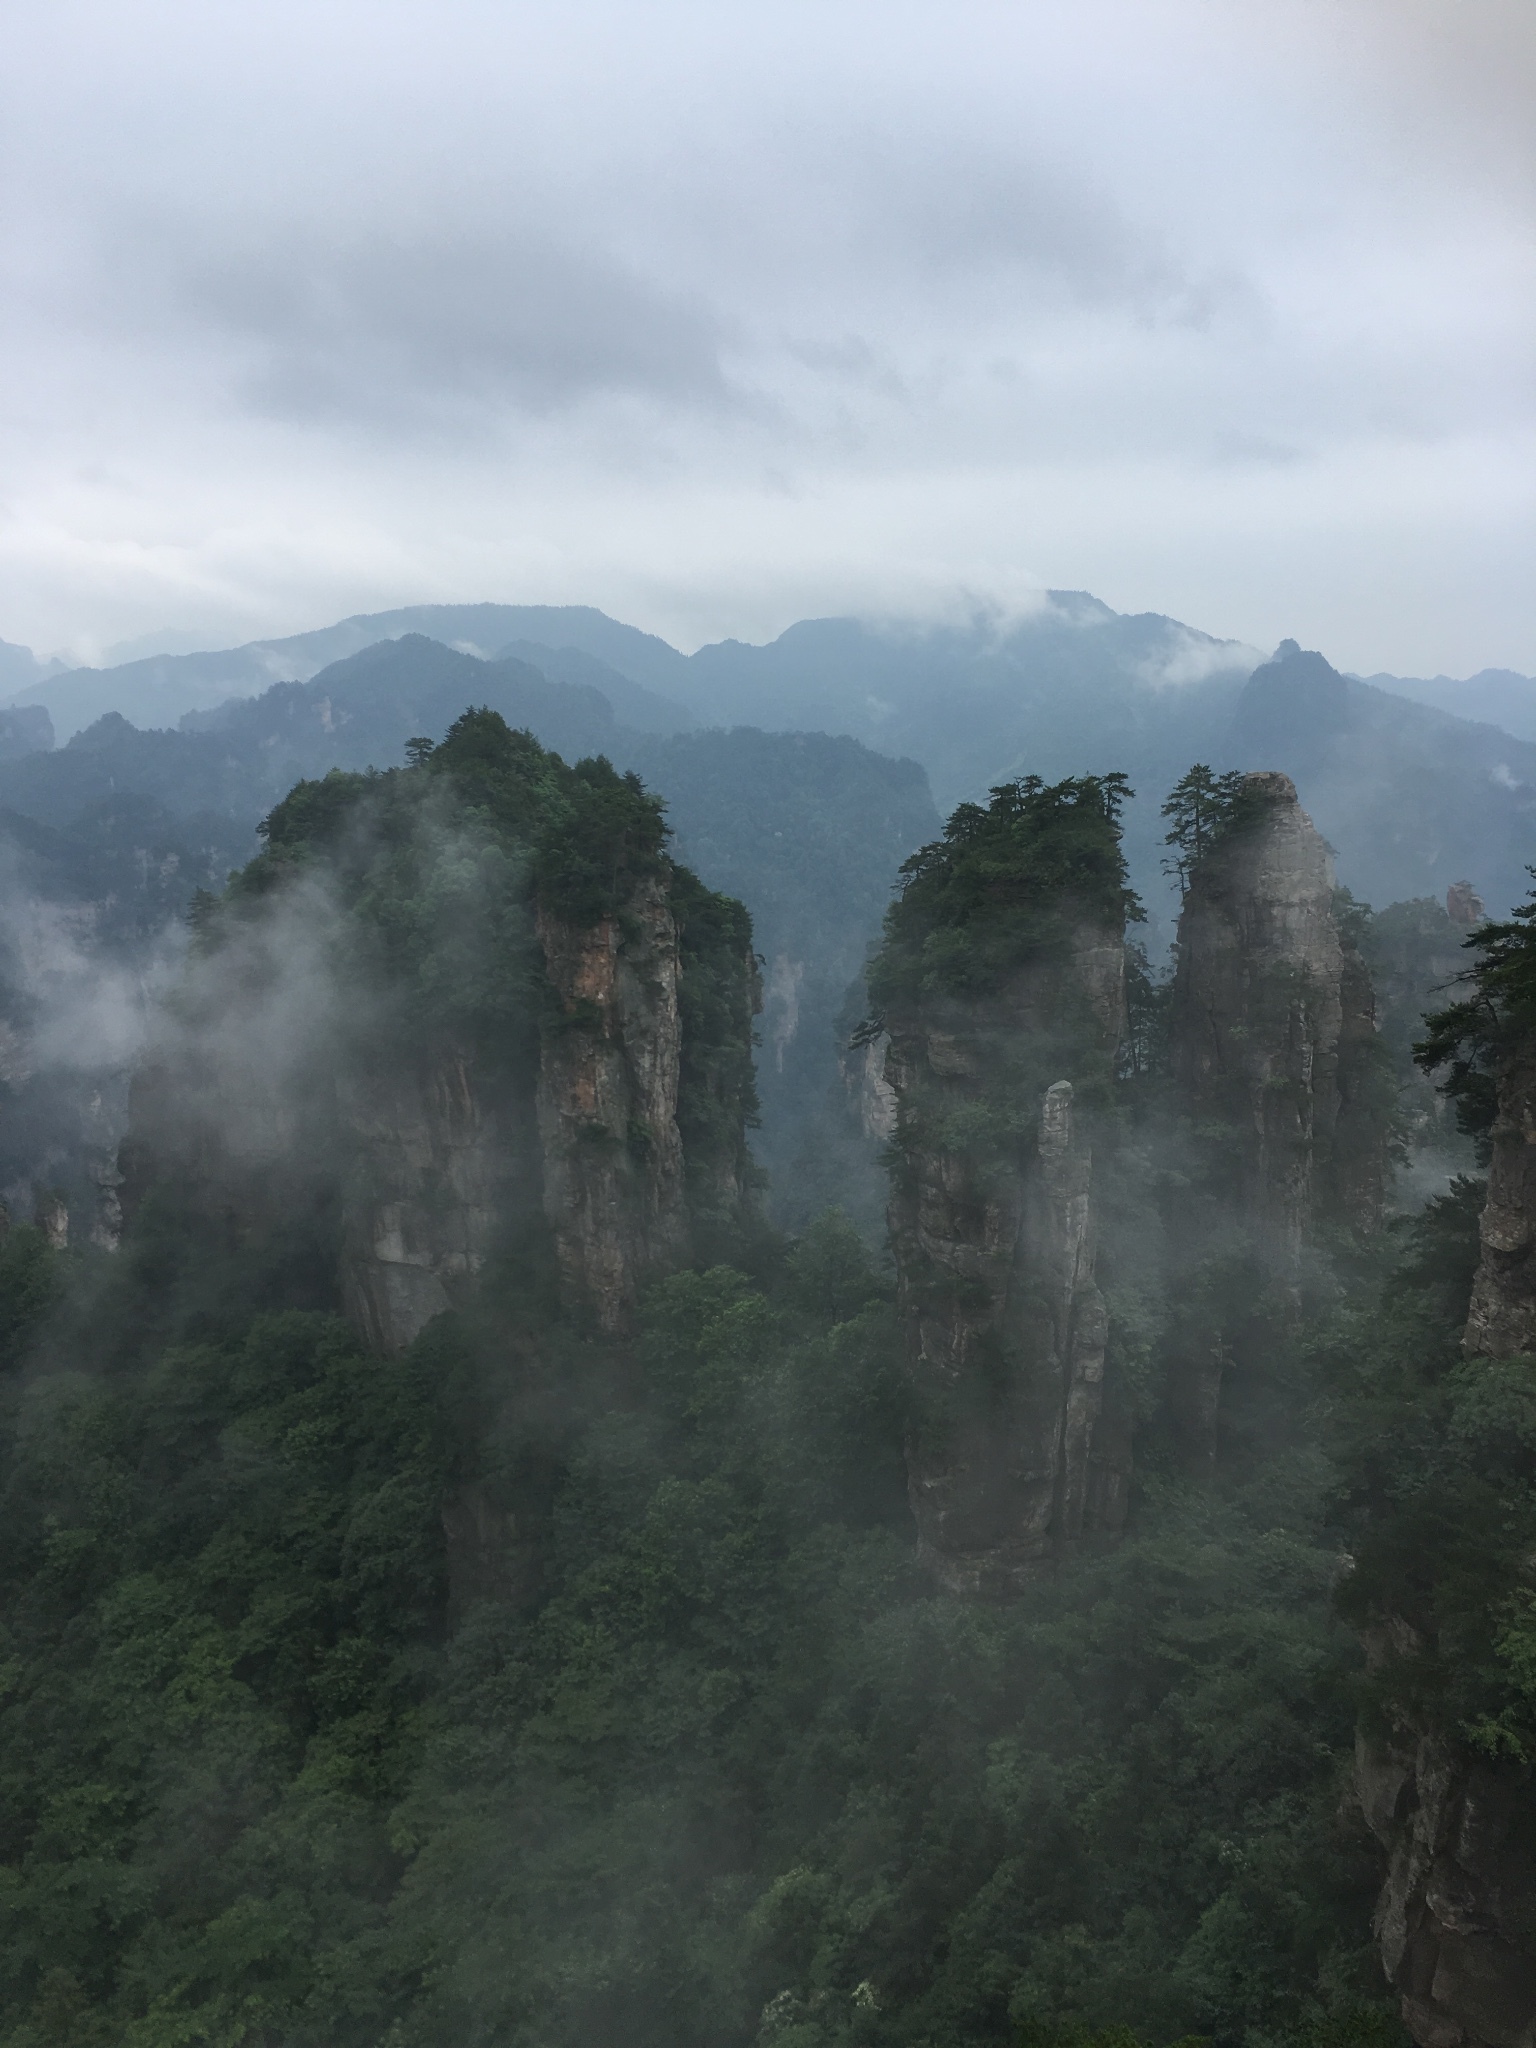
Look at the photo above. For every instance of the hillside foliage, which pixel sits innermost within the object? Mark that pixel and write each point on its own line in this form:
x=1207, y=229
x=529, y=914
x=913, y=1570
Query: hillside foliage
x=705, y=1762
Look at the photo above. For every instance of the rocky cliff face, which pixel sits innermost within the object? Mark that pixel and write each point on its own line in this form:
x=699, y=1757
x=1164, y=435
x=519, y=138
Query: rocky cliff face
x=1501, y=1320
x=870, y=1096
x=437, y=1159
x=451, y=1003
x=609, y=1071
x=1273, y=1023
x=450, y=1154
x=1005, y=1327
x=1454, y=1921
x=435, y=1151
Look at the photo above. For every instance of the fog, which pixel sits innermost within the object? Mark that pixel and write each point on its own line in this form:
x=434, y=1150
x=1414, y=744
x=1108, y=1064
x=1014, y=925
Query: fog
x=718, y=317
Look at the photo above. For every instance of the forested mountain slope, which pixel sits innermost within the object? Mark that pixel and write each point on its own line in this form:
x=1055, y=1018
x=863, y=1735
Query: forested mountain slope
x=118, y=827
x=1494, y=696
x=563, y=1666
x=1412, y=800
x=159, y=689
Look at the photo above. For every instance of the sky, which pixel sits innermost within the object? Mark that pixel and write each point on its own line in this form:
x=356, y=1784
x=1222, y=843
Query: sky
x=720, y=315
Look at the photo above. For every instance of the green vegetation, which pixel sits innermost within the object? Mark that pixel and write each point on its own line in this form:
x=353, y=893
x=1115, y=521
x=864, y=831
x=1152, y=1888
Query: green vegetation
x=1202, y=809
x=1492, y=1023
x=1441, y=1458
x=985, y=939
x=1006, y=887
x=723, y=1770
x=524, y=1691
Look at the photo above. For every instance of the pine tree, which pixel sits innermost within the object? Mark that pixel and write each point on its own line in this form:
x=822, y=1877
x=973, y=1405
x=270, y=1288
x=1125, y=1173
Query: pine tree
x=1201, y=809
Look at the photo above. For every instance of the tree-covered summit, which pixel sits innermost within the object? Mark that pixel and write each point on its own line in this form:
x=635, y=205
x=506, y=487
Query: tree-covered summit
x=1007, y=884
x=589, y=830
x=1493, y=1019
x=1202, y=809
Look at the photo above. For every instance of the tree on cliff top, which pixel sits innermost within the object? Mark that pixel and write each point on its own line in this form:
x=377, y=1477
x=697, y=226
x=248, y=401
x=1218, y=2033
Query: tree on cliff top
x=1008, y=882
x=1202, y=809
x=1468, y=1039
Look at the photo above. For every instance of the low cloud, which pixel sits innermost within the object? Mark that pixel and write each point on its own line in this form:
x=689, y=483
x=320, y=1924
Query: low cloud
x=1193, y=657
x=437, y=328
x=717, y=317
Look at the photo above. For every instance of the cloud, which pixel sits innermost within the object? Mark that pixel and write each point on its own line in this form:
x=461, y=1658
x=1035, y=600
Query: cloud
x=716, y=316
x=1193, y=657
x=435, y=327
x=70, y=1007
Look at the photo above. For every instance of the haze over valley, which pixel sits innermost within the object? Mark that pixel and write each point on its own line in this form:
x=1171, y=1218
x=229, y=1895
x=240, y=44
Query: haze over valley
x=767, y=1025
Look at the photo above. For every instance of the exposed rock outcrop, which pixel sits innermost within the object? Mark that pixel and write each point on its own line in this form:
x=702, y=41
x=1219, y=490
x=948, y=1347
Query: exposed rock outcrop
x=1005, y=1327
x=1273, y=1024
x=436, y=1161
x=1456, y=1919
x=609, y=1072
x=1501, y=1319
x=1463, y=905
x=870, y=1096
x=433, y=1151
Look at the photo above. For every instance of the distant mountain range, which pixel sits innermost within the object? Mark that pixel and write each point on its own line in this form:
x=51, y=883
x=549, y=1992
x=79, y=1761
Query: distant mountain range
x=797, y=774
x=1494, y=696
x=1412, y=793
x=807, y=828
x=159, y=689
x=863, y=678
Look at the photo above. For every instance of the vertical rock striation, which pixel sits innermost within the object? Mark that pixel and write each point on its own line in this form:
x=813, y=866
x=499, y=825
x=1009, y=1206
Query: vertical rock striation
x=1273, y=1025
x=609, y=1071
x=451, y=1002
x=1454, y=1918
x=434, y=1167
x=1501, y=1319
x=995, y=1241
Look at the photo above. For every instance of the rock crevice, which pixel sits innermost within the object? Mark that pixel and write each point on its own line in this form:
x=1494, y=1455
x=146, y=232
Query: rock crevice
x=1004, y=1324
x=609, y=1069
x=1501, y=1319
x=1453, y=1921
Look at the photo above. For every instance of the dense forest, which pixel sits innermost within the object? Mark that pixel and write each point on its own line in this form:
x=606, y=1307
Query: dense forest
x=469, y=1578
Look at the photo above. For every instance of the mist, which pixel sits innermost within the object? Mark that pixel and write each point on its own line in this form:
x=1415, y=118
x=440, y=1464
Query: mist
x=767, y=1026
x=717, y=320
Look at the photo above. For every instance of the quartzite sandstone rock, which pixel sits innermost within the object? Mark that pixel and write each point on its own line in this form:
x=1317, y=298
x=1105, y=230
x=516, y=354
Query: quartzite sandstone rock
x=1501, y=1319
x=1004, y=1324
x=1456, y=1919
x=607, y=1104
x=437, y=1159
x=432, y=1151
x=1273, y=1023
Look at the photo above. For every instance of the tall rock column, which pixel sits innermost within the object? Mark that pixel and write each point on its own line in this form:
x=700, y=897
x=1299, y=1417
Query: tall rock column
x=607, y=1103
x=1004, y=1325
x=436, y=1156
x=1273, y=1023
x=1501, y=1319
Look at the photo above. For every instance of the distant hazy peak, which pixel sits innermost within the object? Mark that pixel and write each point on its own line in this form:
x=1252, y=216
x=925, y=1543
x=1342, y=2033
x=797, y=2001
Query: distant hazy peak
x=20, y=667
x=1494, y=696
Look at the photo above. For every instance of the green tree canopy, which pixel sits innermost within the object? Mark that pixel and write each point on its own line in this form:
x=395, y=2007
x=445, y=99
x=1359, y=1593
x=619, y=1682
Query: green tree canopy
x=1008, y=881
x=1202, y=808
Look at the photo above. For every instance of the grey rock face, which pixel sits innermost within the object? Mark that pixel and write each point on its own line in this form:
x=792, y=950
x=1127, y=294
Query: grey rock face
x=1456, y=1920
x=1004, y=1325
x=432, y=1153
x=870, y=1095
x=446, y=1156
x=607, y=1105
x=1273, y=1022
x=1501, y=1319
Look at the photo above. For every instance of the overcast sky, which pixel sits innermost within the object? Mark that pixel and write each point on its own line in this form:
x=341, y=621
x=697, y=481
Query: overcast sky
x=721, y=315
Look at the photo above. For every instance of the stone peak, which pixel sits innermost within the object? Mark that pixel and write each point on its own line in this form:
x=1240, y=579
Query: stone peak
x=1271, y=785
